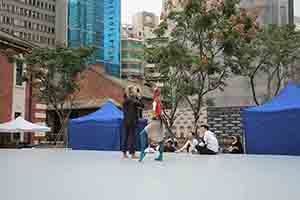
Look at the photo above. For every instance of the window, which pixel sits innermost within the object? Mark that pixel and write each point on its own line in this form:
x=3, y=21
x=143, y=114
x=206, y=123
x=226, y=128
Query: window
x=18, y=22
x=19, y=73
x=17, y=136
x=16, y=33
x=17, y=114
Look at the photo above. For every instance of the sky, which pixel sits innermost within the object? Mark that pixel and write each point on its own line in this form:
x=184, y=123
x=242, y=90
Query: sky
x=297, y=7
x=130, y=7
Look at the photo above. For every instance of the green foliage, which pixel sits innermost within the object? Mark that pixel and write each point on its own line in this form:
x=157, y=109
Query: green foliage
x=269, y=54
x=54, y=74
x=54, y=71
x=201, y=38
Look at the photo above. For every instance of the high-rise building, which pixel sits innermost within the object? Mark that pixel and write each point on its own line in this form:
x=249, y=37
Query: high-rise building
x=132, y=59
x=31, y=20
x=61, y=24
x=144, y=24
x=132, y=54
x=97, y=23
x=268, y=11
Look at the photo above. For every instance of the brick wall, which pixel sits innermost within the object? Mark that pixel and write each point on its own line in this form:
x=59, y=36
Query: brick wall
x=6, y=89
x=96, y=85
x=225, y=122
x=184, y=122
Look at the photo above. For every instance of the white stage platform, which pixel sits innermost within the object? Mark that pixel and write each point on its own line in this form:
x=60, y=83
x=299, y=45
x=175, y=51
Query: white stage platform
x=83, y=175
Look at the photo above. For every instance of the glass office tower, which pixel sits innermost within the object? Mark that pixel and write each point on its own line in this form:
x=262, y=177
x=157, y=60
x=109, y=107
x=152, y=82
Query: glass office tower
x=97, y=23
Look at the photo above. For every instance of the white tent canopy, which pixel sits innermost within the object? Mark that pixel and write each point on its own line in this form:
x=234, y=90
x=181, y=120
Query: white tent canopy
x=21, y=125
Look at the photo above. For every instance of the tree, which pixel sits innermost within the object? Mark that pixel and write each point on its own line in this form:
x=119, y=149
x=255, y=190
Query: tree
x=202, y=38
x=55, y=73
x=267, y=58
x=172, y=94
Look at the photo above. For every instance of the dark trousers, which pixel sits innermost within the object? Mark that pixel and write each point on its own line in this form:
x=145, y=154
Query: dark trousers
x=129, y=139
x=205, y=150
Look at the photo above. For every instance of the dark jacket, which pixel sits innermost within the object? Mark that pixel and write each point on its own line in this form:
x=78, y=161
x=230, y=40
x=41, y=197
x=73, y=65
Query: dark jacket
x=140, y=108
x=130, y=110
x=238, y=148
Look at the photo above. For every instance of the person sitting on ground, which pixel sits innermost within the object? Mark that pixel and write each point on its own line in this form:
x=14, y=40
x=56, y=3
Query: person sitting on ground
x=152, y=148
x=210, y=144
x=236, y=146
x=190, y=144
x=175, y=143
x=170, y=147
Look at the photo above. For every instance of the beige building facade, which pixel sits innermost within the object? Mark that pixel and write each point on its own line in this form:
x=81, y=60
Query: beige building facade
x=30, y=20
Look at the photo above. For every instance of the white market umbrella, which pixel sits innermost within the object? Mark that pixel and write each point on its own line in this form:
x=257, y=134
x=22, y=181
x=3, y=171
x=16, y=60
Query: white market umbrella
x=21, y=125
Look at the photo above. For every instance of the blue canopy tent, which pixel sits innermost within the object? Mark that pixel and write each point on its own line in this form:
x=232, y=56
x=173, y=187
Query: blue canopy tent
x=101, y=130
x=274, y=128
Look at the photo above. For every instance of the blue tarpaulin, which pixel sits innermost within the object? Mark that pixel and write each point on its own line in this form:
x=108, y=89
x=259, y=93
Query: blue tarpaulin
x=101, y=130
x=274, y=127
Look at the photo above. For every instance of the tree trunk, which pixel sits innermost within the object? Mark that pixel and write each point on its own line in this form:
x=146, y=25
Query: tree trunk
x=252, y=84
x=168, y=124
x=64, y=119
x=196, y=119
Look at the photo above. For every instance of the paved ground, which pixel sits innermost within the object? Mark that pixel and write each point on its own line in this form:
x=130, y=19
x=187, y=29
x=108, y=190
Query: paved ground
x=78, y=175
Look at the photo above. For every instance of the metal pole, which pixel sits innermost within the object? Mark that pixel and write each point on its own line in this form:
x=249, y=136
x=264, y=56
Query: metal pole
x=291, y=12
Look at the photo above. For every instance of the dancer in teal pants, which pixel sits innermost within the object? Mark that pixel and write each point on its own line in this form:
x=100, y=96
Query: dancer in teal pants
x=143, y=139
x=154, y=130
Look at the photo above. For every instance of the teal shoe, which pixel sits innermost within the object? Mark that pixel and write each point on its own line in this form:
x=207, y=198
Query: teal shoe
x=161, y=151
x=142, y=156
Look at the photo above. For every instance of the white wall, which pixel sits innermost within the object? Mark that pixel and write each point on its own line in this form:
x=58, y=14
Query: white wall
x=19, y=99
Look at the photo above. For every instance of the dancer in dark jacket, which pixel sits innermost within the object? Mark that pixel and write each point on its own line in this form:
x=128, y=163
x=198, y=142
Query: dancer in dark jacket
x=130, y=110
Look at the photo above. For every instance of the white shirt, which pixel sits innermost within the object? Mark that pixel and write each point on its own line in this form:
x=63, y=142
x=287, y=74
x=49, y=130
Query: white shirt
x=154, y=106
x=211, y=141
x=193, y=144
